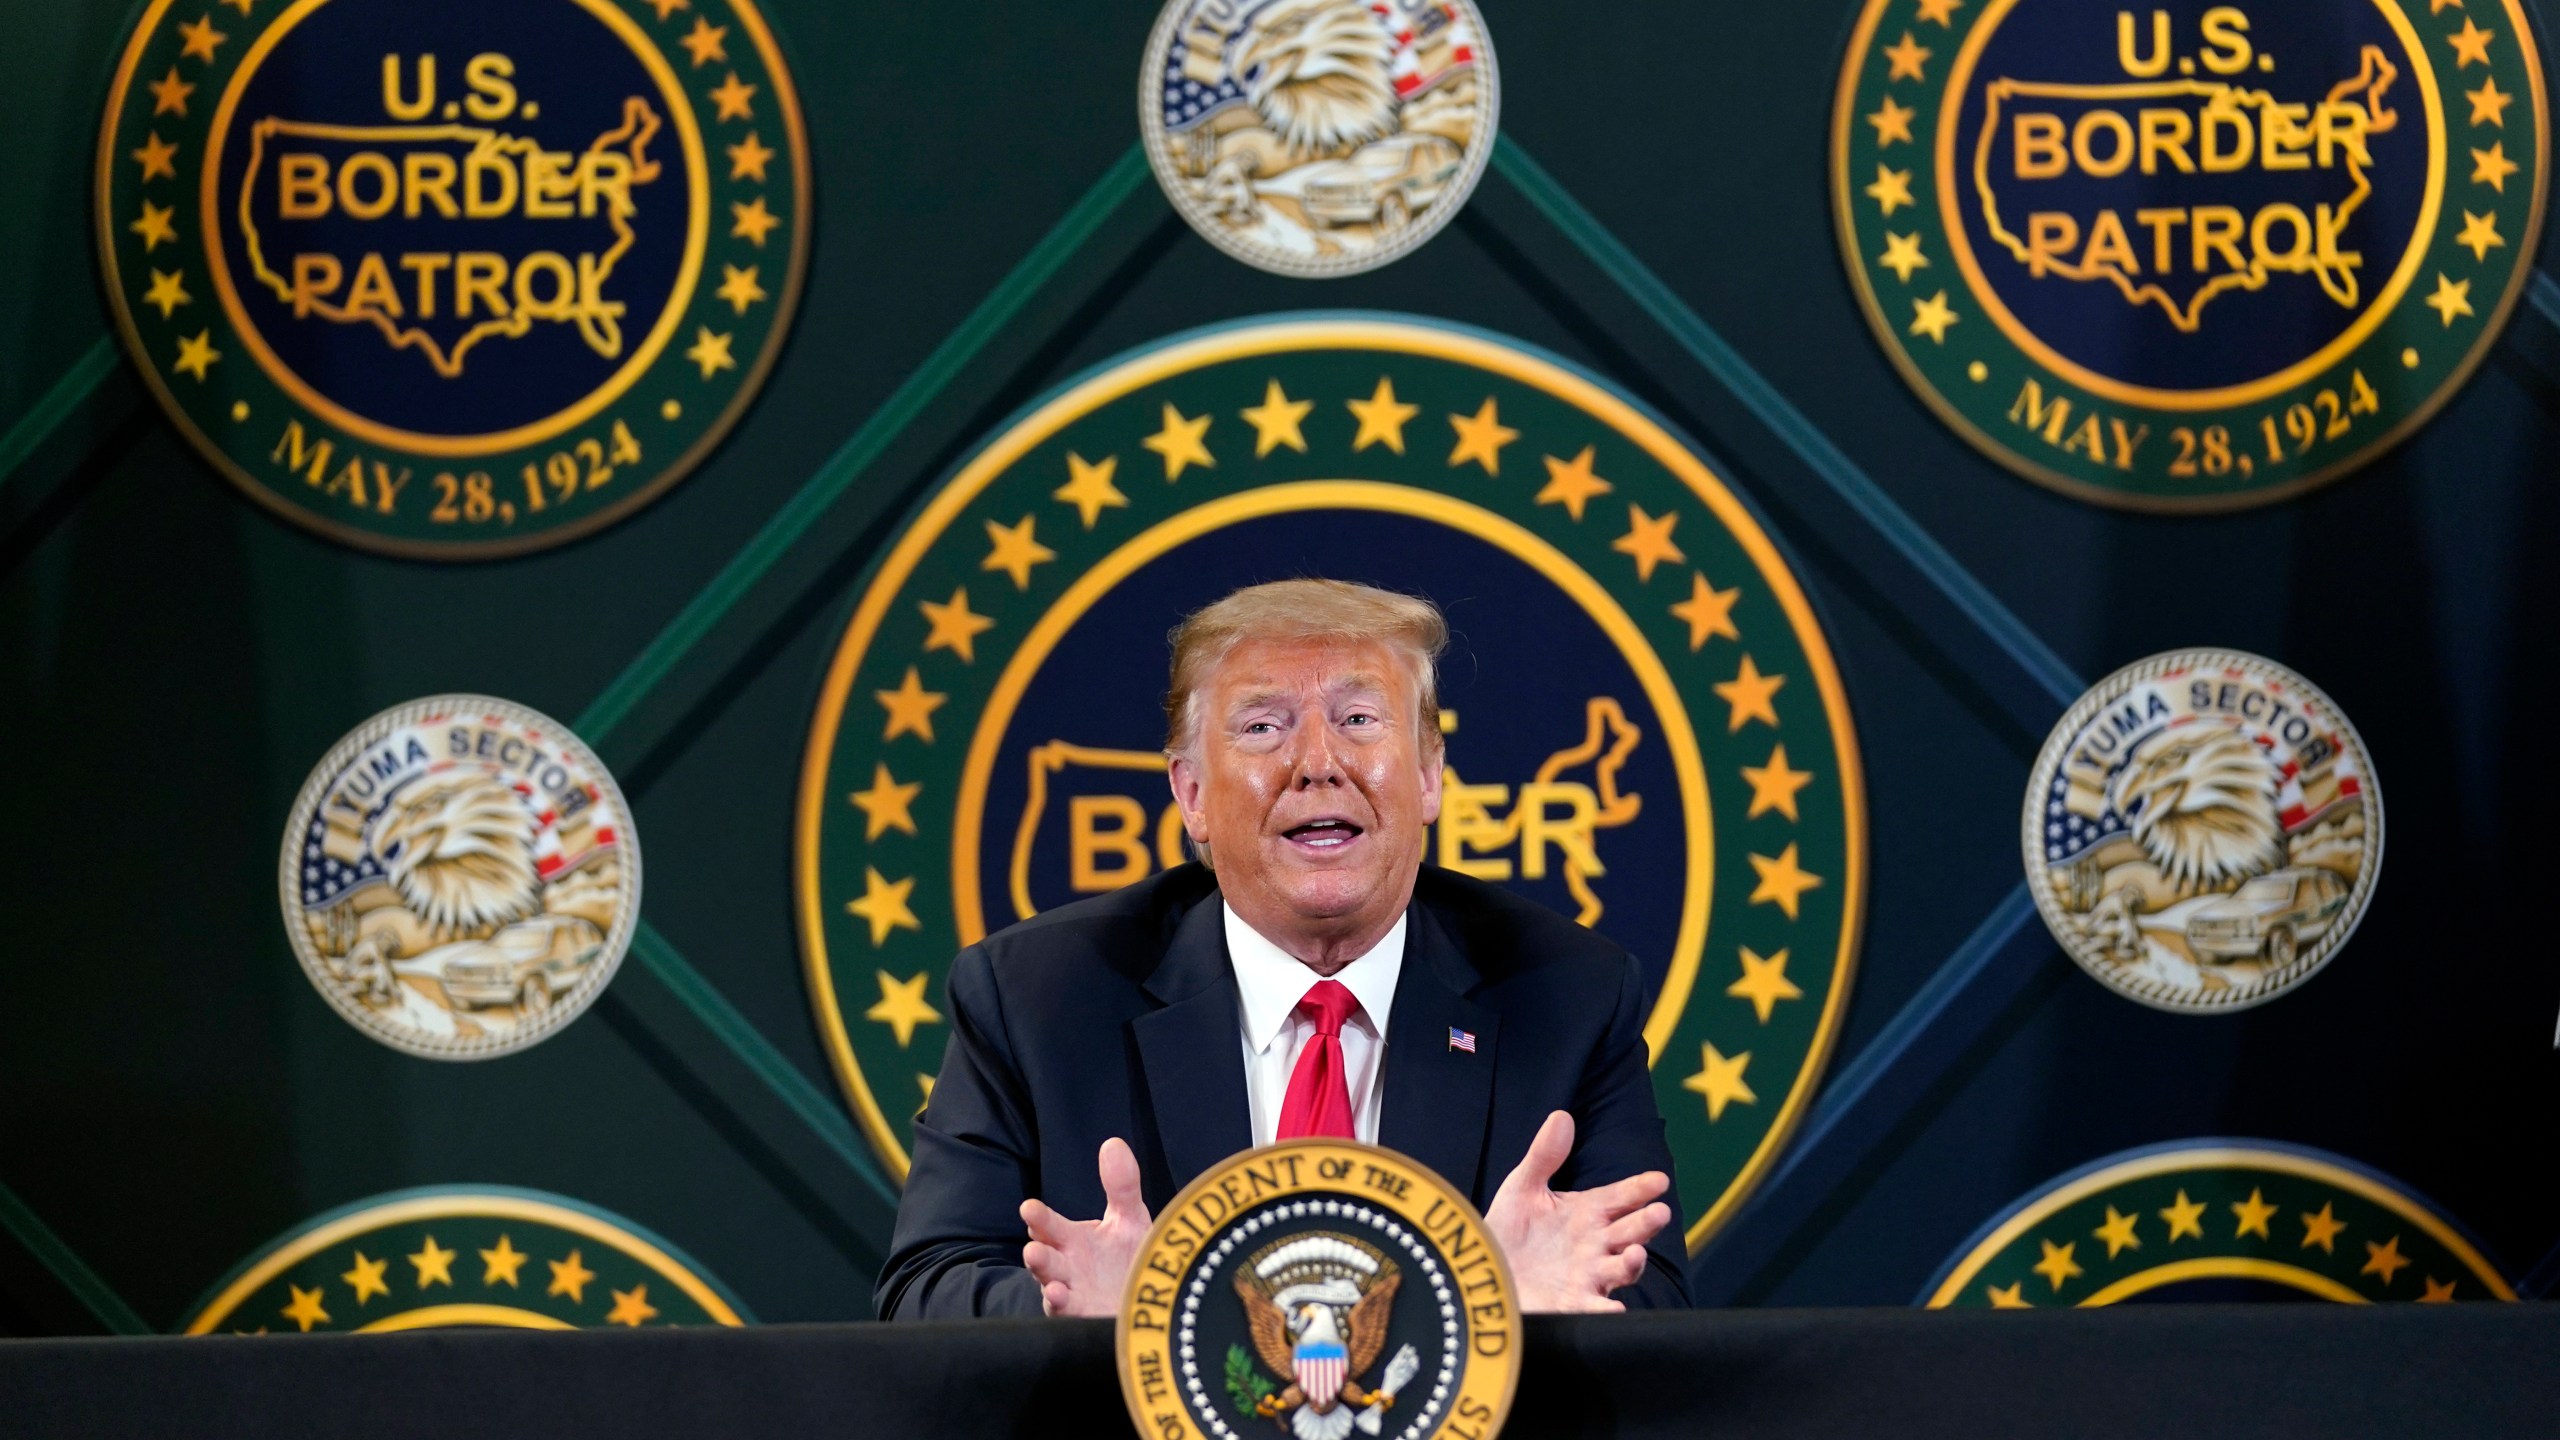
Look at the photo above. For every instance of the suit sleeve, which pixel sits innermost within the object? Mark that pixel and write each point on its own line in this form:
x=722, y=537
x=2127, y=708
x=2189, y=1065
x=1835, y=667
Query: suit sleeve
x=1618, y=1133
x=957, y=1248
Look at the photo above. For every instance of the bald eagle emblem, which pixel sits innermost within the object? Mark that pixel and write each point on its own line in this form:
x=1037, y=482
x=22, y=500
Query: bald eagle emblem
x=1317, y=1307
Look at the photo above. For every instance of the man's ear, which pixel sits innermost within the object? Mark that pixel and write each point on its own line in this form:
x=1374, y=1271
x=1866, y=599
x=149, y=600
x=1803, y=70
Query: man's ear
x=1435, y=759
x=1185, y=778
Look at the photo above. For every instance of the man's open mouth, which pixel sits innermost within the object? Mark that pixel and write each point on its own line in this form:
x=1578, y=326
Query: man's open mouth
x=1323, y=834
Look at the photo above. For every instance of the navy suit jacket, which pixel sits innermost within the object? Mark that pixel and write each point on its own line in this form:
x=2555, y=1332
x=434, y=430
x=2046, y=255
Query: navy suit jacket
x=1118, y=1016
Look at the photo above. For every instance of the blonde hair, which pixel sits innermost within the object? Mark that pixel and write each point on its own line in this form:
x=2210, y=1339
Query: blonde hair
x=1290, y=610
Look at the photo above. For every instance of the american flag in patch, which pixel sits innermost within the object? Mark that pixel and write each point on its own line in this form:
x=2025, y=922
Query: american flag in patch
x=1462, y=1040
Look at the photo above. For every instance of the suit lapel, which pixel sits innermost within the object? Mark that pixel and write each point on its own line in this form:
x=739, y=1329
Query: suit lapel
x=1438, y=1101
x=1193, y=1057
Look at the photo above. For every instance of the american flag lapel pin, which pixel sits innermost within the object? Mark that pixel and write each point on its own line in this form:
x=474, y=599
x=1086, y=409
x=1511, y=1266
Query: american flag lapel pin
x=1462, y=1040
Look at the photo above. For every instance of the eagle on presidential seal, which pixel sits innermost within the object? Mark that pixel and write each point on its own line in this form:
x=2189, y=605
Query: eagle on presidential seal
x=1317, y=1307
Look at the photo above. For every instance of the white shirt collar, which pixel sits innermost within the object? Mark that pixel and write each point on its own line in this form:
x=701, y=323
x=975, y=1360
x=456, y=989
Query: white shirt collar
x=1270, y=981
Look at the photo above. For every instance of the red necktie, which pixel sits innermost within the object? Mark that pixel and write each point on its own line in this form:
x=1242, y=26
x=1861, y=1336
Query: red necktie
x=1319, y=1099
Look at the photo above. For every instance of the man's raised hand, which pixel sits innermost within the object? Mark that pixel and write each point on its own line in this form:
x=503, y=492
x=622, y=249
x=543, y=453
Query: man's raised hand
x=1082, y=1265
x=1569, y=1249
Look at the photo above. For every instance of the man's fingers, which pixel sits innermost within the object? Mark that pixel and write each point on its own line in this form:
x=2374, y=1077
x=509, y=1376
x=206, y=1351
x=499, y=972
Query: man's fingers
x=1121, y=1192
x=1636, y=1228
x=1040, y=1260
x=1547, y=1154
x=1626, y=1195
x=1633, y=1257
x=1047, y=1225
x=1055, y=1297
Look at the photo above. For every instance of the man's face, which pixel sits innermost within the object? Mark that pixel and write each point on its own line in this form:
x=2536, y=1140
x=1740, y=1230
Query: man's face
x=1310, y=782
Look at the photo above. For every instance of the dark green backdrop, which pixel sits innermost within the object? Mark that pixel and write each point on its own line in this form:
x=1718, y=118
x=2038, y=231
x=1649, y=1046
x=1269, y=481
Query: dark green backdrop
x=173, y=1092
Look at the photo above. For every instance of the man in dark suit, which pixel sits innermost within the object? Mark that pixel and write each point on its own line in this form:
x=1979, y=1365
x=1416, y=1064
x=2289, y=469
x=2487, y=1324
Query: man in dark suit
x=1311, y=977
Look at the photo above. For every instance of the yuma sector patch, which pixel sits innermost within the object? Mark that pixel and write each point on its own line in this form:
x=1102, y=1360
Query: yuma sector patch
x=1321, y=1286
x=2217, y=1220
x=460, y=279
x=2188, y=256
x=1318, y=137
x=2203, y=830
x=449, y=1256
x=1646, y=729
x=460, y=878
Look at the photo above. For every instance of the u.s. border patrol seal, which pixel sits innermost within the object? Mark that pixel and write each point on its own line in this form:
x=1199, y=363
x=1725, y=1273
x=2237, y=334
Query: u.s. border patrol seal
x=459, y=877
x=453, y=280
x=1324, y=1286
x=457, y=1255
x=2217, y=1220
x=2203, y=830
x=1645, y=727
x=1318, y=137
x=2188, y=257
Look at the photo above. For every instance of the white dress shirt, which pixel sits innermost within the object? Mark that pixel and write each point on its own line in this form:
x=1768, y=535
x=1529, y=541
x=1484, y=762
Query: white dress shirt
x=1269, y=984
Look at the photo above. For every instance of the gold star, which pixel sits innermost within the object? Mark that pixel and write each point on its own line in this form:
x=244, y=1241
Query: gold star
x=2057, y=1264
x=1908, y=58
x=1481, y=437
x=885, y=804
x=202, y=39
x=747, y=159
x=2480, y=233
x=169, y=94
x=910, y=708
x=155, y=226
x=1750, y=693
x=167, y=291
x=2118, y=1232
x=1721, y=1082
x=156, y=156
x=631, y=1307
x=732, y=99
x=884, y=905
x=2438, y=7
x=2489, y=103
x=503, y=1263
x=305, y=1310
x=2437, y=1295
x=2491, y=167
x=196, y=354
x=1275, y=421
x=2008, y=1297
x=1764, y=983
x=1902, y=255
x=1382, y=418
x=2470, y=43
x=1942, y=11
x=243, y=6
x=954, y=626
x=1892, y=122
x=569, y=1277
x=924, y=1083
x=2452, y=298
x=902, y=1006
x=2254, y=1213
x=666, y=8
x=1782, y=881
x=1089, y=487
x=366, y=1278
x=1015, y=551
x=2322, y=1229
x=1708, y=610
x=752, y=221
x=739, y=287
x=2384, y=1260
x=1648, y=540
x=1572, y=484
x=2186, y=1217
x=434, y=1264
x=1892, y=188
x=703, y=42
x=710, y=351
x=1932, y=316
x=1182, y=443
x=1774, y=786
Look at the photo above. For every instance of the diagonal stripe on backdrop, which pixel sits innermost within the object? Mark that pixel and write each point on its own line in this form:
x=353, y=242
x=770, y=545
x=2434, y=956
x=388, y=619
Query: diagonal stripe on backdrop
x=68, y=1267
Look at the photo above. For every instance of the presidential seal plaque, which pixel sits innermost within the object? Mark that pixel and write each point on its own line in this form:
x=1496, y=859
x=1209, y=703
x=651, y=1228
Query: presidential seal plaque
x=1645, y=729
x=459, y=877
x=2188, y=256
x=2203, y=830
x=452, y=280
x=459, y=1255
x=1326, y=1287
x=2217, y=1220
x=1318, y=137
